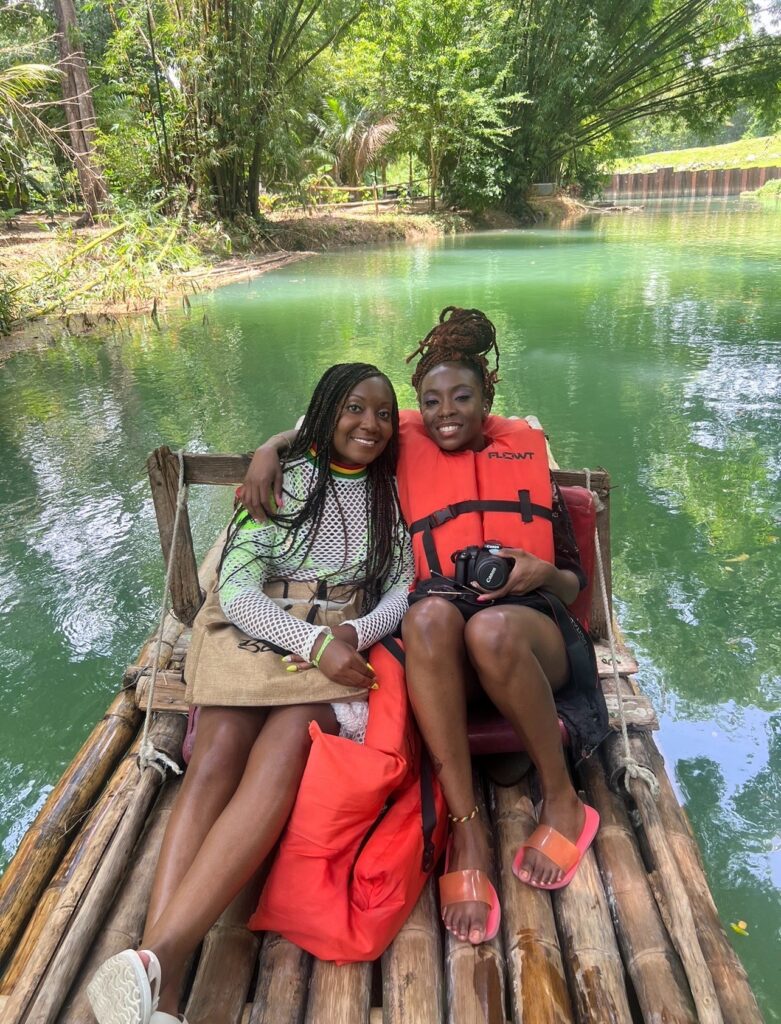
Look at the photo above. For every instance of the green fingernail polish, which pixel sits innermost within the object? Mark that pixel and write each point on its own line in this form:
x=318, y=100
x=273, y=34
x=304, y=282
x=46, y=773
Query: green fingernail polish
x=291, y=668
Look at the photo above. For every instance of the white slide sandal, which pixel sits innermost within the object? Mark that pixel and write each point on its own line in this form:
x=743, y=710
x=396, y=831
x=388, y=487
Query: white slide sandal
x=123, y=991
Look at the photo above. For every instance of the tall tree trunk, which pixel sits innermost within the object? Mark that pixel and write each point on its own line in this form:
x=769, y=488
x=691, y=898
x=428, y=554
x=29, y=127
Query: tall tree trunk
x=79, y=109
x=433, y=163
x=253, y=178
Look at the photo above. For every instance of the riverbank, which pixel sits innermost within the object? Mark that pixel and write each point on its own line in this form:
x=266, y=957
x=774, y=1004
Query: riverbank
x=763, y=151
x=58, y=280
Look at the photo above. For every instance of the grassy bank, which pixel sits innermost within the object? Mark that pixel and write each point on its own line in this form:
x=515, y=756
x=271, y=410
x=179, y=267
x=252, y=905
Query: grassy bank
x=133, y=264
x=770, y=191
x=760, y=152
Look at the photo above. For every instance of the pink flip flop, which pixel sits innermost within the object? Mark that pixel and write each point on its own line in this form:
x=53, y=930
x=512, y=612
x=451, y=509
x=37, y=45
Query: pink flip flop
x=557, y=848
x=471, y=886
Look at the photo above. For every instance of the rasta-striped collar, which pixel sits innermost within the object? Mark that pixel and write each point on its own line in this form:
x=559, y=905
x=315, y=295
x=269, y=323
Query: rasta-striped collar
x=337, y=469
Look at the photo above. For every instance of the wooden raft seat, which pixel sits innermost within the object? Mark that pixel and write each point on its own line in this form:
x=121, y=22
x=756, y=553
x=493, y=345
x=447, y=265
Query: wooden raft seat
x=600, y=950
x=559, y=958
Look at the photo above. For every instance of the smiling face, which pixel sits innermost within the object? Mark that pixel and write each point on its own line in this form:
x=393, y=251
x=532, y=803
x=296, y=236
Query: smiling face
x=453, y=407
x=365, y=423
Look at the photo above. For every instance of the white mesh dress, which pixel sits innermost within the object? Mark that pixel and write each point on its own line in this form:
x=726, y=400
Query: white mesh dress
x=263, y=551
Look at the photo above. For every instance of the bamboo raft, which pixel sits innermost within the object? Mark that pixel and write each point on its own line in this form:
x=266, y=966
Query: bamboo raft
x=634, y=938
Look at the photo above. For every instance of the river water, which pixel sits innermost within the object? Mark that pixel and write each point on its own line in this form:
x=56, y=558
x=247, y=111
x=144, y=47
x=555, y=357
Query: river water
x=648, y=343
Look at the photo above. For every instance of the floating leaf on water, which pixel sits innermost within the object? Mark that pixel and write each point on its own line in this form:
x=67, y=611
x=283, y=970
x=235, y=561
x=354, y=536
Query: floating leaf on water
x=739, y=927
x=728, y=568
x=738, y=558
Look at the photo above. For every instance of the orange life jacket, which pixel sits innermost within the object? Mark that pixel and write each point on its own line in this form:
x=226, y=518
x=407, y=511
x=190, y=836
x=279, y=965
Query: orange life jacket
x=451, y=500
x=368, y=825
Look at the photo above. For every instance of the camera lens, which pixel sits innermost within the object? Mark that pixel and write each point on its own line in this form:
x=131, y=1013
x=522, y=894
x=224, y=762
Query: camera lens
x=491, y=572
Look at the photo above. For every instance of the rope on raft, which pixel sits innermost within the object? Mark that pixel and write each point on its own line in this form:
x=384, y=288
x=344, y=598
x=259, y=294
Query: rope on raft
x=149, y=756
x=629, y=767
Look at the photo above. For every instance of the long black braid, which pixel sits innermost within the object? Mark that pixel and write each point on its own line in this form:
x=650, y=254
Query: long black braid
x=382, y=505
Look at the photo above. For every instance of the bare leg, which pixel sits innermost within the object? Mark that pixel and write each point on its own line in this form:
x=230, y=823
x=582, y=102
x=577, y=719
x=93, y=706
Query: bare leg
x=439, y=682
x=222, y=745
x=521, y=660
x=239, y=840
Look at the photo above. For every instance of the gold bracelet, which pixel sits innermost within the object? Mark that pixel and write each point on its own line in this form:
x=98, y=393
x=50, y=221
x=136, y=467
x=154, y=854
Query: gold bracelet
x=466, y=817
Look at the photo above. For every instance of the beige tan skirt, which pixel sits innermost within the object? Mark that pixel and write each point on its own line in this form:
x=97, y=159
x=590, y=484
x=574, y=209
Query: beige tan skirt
x=226, y=667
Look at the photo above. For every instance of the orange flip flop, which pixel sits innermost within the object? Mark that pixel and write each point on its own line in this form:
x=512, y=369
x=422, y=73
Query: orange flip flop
x=557, y=848
x=471, y=886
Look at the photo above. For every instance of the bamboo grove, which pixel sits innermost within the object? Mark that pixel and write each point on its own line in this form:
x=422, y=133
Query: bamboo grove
x=225, y=102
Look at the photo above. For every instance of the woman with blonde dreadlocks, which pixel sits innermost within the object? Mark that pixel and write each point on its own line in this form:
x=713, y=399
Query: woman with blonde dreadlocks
x=496, y=565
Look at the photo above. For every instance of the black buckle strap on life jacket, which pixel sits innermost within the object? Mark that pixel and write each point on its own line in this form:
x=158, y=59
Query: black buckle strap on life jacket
x=428, y=810
x=430, y=550
x=524, y=507
x=525, y=499
x=392, y=646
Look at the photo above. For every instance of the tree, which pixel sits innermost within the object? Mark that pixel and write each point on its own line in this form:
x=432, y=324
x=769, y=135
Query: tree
x=19, y=126
x=237, y=67
x=355, y=136
x=592, y=70
x=440, y=74
x=79, y=108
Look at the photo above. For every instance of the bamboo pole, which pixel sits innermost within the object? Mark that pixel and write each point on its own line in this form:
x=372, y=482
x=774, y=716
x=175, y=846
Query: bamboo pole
x=56, y=824
x=87, y=894
x=340, y=994
x=538, y=985
x=738, y=1003
x=163, y=468
x=677, y=907
x=283, y=979
x=657, y=976
x=588, y=944
x=124, y=925
x=475, y=975
x=230, y=951
x=74, y=871
x=412, y=981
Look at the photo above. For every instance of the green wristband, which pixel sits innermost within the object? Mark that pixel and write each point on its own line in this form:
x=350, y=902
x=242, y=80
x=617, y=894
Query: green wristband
x=328, y=638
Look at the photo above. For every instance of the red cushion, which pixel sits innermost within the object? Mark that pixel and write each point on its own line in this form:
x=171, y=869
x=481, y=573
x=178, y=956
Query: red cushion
x=580, y=505
x=488, y=732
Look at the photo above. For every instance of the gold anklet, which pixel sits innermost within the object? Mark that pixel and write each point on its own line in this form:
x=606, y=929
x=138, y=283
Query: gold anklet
x=466, y=817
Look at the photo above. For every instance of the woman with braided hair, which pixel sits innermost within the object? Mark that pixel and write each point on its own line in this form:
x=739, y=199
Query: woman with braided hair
x=342, y=539
x=467, y=479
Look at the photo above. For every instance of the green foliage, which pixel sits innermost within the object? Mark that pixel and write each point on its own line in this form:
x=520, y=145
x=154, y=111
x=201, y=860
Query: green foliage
x=131, y=261
x=355, y=136
x=591, y=70
x=770, y=190
x=21, y=130
x=7, y=304
x=231, y=101
x=438, y=72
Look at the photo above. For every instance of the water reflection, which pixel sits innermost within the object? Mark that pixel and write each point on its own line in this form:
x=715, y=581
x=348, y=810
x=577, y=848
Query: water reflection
x=648, y=344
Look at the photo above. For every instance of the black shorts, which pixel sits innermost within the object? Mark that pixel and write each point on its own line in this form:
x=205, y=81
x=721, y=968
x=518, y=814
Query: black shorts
x=580, y=702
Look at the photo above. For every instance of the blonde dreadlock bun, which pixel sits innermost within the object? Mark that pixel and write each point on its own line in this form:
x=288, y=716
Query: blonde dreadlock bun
x=462, y=336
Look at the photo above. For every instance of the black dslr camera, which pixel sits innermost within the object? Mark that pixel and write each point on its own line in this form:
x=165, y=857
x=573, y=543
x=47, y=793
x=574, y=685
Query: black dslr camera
x=482, y=565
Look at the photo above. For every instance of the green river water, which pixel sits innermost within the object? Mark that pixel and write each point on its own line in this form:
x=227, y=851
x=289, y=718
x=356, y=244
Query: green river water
x=647, y=343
